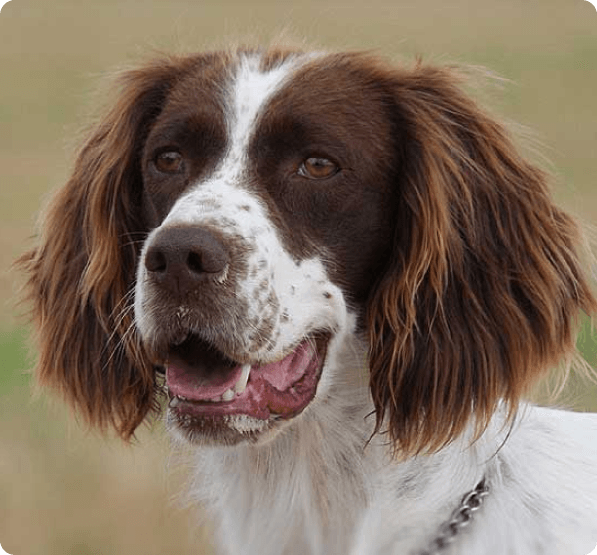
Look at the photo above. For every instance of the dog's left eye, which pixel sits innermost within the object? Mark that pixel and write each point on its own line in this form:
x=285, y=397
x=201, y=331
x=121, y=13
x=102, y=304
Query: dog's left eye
x=169, y=162
x=317, y=168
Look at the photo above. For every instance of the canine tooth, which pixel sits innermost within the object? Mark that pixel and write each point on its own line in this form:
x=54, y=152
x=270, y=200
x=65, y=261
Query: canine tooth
x=174, y=402
x=241, y=384
x=228, y=395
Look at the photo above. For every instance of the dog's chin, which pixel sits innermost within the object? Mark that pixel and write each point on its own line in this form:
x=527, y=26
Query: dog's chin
x=210, y=431
x=215, y=401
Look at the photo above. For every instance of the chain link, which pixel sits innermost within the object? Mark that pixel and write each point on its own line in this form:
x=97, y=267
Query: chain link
x=461, y=518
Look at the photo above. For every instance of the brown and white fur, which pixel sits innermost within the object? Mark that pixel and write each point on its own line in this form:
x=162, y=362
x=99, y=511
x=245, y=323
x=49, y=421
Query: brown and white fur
x=350, y=279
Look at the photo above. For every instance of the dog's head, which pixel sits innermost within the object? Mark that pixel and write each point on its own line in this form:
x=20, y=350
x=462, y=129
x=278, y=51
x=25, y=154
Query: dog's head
x=235, y=217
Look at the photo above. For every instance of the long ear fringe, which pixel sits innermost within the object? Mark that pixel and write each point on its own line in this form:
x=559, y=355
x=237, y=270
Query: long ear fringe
x=80, y=277
x=485, y=287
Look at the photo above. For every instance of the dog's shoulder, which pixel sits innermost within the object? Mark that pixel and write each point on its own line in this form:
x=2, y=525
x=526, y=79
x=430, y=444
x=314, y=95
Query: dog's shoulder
x=544, y=491
x=561, y=440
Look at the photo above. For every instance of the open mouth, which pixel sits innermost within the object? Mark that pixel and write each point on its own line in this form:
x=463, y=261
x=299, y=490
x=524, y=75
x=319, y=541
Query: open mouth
x=203, y=382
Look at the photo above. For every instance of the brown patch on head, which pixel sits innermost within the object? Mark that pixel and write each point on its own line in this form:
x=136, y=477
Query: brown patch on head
x=192, y=124
x=347, y=125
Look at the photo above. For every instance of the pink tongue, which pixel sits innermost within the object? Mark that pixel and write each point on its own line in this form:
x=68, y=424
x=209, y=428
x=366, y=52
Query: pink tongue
x=284, y=373
x=183, y=381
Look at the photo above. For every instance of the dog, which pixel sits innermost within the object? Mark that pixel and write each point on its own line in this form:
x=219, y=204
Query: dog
x=342, y=279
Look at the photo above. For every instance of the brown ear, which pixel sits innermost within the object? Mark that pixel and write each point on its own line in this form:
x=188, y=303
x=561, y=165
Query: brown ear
x=485, y=285
x=81, y=276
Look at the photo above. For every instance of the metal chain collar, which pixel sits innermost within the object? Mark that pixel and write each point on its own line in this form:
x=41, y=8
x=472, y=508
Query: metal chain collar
x=461, y=518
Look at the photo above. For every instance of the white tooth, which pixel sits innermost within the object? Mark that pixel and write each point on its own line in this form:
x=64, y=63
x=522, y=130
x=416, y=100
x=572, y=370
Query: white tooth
x=174, y=402
x=241, y=384
x=228, y=395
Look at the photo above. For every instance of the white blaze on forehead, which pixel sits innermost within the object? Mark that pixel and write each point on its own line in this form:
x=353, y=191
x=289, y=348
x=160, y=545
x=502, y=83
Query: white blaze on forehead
x=251, y=90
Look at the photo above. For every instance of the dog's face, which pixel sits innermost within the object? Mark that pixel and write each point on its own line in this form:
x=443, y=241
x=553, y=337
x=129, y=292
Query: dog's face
x=237, y=218
x=269, y=207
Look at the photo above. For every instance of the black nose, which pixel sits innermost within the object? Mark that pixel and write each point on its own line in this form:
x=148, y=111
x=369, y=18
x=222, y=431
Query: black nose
x=181, y=258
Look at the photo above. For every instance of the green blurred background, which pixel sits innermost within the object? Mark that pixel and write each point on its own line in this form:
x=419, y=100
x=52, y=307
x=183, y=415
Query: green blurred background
x=67, y=492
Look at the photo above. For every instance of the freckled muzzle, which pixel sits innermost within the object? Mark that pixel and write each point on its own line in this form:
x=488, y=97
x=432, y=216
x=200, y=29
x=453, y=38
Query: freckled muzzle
x=191, y=280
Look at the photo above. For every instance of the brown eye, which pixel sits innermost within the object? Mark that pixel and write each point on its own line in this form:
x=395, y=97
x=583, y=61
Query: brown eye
x=317, y=168
x=169, y=162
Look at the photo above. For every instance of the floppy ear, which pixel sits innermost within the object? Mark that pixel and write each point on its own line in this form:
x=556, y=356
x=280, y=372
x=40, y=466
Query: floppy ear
x=81, y=276
x=485, y=286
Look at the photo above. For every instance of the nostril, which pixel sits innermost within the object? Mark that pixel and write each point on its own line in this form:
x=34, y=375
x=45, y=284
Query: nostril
x=195, y=263
x=156, y=261
x=212, y=258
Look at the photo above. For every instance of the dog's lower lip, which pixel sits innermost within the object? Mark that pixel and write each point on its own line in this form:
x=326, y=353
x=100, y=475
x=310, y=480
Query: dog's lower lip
x=176, y=401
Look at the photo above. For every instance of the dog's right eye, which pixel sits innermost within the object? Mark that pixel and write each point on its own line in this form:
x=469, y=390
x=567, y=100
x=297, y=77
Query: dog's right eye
x=169, y=162
x=317, y=168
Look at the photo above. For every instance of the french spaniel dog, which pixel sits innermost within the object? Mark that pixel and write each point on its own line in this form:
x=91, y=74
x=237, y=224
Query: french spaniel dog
x=338, y=278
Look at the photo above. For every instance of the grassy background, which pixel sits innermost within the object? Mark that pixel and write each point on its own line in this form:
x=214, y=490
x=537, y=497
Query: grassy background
x=65, y=492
